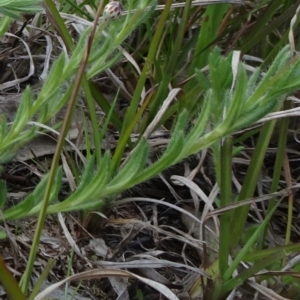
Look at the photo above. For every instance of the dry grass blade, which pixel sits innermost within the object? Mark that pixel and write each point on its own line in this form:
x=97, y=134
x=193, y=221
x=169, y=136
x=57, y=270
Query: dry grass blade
x=68, y=172
x=265, y=291
x=183, y=237
x=194, y=187
x=195, y=3
x=280, y=273
x=172, y=94
x=31, y=66
x=78, y=152
x=148, y=263
x=282, y=193
x=293, y=262
x=49, y=50
x=68, y=235
x=293, y=112
x=291, y=33
x=208, y=204
x=161, y=202
x=97, y=274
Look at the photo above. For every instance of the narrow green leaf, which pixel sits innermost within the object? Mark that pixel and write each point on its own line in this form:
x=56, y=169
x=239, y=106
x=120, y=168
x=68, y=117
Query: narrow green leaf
x=262, y=254
x=20, y=210
x=169, y=158
x=52, y=84
x=200, y=125
x=4, y=24
x=211, y=21
x=226, y=195
x=249, y=244
x=22, y=116
x=31, y=204
x=247, y=191
x=93, y=183
x=42, y=278
x=131, y=169
x=3, y=193
x=266, y=83
x=203, y=81
x=131, y=111
x=237, y=101
x=3, y=235
x=258, y=266
x=9, y=282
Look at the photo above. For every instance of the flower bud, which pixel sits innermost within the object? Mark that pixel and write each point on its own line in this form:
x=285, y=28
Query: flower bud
x=112, y=10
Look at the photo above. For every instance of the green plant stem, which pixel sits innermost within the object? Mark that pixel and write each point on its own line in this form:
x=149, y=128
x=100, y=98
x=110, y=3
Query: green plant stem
x=93, y=115
x=42, y=278
x=103, y=103
x=90, y=87
x=226, y=194
x=212, y=19
x=122, y=143
x=65, y=127
x=249, y=244
x=280, y=151
x=59, y=24
x=216, y=289
x=260, y=31
x=250, y=181
x=172, y=62
x=289, y=219
x=247, y=273
x=262, y=254
x=150, y=58
x=85, y=83
x=290, y=201
x=125, y=134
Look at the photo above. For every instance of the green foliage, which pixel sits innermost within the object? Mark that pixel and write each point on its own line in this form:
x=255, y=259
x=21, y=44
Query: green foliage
x=9, y=282
x=3, y=193
x=226, y=107
x=221, y=97
x=3, y=235
x=139, y=295
x=13, y=8
x=208, y=33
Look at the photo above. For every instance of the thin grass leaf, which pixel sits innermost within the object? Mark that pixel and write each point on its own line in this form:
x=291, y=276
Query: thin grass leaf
x=9, y=282
x=211, y=21
x=247, y=248
x=225, y=199
x=262, y=254
x=3, y=193
x=258, y=266
x=13, y=8
x=22, y=116
x=4, y=24
x=254, y=169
